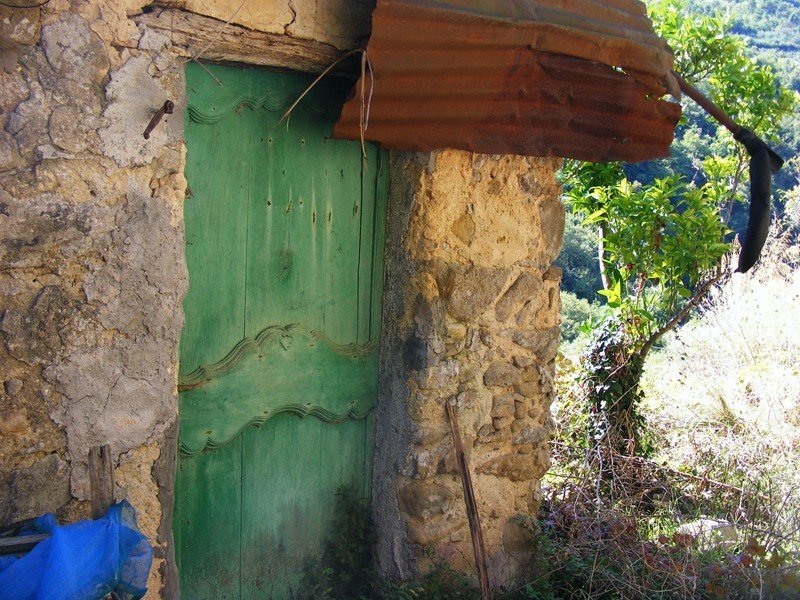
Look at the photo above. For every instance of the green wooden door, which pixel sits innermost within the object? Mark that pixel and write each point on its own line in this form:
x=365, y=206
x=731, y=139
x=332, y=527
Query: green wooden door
x=278, y=357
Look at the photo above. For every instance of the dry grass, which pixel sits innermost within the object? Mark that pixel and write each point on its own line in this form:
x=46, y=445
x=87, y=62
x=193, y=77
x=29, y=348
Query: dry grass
x=723, y=410
x=724, y=395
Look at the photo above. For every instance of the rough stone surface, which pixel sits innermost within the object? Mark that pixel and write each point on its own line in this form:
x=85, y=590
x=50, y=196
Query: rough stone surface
x=91, y=241
x=501, y=374
x=42, y=487
x=470, y=317
x=472, y=290
x=424, y=500
x=516, y=467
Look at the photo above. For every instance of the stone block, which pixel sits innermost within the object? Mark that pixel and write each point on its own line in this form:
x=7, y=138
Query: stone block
x=503, y=405
x=522, y=290
x=501, y=374
x=75, y=51
x=425, y=499
x=500, y=423
x=529, y=389
x=438, y=376
x=426, y=461
x=429, y=435
x=531, y=435
x=551, y=218
x=35, y=336
x=543, y=342
x=422, y=407
x=9, y=153
x=553, y=274
x=464, y=228
x=456, y=331
x=516, y=467
x=529, y=183
x=466, y=399
x=12, y=387
x=488, y=436
x=19, y=25
x=520, y=408
x=13, y=423
x=522, y=361
x=472, y=291
x=430, y=531
x=42, y=487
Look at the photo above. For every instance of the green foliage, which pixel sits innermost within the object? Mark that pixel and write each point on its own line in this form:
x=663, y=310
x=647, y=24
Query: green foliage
x=346, y=568
x=578, y=260
x=766, y=23
x=759, y=95
x=662, y=238
x=707, y=54
x=610, y=383
x=660, y=241
x=579, y=316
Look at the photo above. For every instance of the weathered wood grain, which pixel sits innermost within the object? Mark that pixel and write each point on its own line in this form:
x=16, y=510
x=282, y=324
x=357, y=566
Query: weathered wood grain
x=473, y=516
x=235, y=44
x=279, y=356
x=101, y=479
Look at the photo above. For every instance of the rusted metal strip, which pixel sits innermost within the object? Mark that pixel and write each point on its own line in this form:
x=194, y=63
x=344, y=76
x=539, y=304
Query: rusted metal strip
x=587, y=30
x=548, y=105
x=707, y=105
x=166, y=109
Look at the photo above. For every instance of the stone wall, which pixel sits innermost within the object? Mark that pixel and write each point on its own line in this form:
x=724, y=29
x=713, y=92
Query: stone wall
x=471, y=317
x=91, y=247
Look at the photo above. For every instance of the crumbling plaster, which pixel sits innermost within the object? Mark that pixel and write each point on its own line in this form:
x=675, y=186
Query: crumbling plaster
x=92, y=261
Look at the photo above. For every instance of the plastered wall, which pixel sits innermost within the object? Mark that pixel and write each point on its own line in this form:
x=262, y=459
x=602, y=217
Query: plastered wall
x=92, y=261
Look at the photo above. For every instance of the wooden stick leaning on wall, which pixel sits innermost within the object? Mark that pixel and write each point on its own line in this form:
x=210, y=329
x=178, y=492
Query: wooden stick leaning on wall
x=101, y=479
x=472, y=506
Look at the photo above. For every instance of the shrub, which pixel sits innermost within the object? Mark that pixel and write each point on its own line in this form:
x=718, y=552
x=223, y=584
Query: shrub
x=578, y=315
x=722, y=409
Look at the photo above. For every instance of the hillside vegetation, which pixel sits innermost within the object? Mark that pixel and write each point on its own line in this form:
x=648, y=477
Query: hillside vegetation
x=696, y=494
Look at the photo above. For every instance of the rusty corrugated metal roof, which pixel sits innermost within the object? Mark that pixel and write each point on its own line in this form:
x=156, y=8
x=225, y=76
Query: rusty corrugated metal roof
x=573, y=78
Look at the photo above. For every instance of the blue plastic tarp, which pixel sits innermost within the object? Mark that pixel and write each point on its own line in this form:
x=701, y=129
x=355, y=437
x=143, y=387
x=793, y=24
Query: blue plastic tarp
x=82, y=561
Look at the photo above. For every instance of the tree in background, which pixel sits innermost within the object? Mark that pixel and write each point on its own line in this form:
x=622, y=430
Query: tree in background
x=661, y=244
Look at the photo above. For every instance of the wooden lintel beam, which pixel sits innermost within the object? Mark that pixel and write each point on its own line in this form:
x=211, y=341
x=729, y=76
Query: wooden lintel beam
x=197, y=34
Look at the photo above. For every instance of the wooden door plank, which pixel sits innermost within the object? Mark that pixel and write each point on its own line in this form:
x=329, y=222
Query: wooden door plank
x=341, y=309
x=216, y=236
x=381, y=200
x=208, y=523
x=293, y=470
x=286, y=230
x=289, y=373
